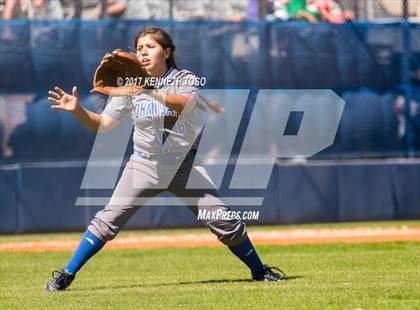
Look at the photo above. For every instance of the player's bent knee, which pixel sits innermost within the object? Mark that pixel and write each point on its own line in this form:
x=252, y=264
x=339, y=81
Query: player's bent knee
x=102, y=230
x=108, y=222
x=230, y=233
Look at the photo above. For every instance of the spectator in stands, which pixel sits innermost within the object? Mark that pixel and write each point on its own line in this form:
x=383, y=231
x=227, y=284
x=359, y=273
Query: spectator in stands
x=209, y=9
x=277, y=9
x=33, y=9
x=310, y=10
x=331, y=11
x=149, y=9
x=235, y=10
x=45, y=9
x=116, y=8
x=253, y=9
x=72, y=8
x=97, y=9
x=12, y=9
x=303, y=10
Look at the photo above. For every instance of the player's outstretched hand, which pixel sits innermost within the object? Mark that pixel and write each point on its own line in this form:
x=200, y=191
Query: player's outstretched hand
x=64, y=101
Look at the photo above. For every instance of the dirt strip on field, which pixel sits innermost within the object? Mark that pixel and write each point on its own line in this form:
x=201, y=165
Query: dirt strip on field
x=293, y=236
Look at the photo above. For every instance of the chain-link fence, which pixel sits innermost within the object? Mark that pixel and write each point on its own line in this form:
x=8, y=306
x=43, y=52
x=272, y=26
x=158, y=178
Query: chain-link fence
x=126, y=9
x=384, y=9
x=205, y=9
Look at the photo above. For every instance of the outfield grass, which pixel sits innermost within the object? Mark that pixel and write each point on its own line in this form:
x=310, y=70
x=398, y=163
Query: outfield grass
x=327, y=276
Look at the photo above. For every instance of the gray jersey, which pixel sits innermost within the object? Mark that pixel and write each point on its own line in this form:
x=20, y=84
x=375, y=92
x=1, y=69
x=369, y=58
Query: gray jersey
x=157, y=128
x=160, y=130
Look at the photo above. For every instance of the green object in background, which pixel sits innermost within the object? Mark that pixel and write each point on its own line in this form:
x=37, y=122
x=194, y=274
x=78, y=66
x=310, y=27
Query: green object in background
x=294, y=6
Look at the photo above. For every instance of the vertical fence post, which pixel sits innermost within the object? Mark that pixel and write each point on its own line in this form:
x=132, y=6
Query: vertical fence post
x=406, y=85
x=356, y=10
x=19, y=193
x=104, y=4
x=370, y=10
x=262, y=9
x=171, y=9
x=405, y=9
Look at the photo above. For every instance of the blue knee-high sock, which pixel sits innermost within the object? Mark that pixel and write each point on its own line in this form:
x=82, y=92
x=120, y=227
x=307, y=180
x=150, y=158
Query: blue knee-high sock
x=247, y=253
x=89, y=245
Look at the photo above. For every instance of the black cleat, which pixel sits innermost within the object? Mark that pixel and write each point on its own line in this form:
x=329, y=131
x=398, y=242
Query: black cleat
x=268, y=273
x=60, y=281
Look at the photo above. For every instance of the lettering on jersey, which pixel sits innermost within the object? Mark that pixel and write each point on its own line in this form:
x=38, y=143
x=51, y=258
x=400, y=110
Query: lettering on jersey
x=148, y=108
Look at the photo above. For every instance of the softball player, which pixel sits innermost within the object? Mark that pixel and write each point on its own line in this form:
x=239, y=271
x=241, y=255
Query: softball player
x=155, y=114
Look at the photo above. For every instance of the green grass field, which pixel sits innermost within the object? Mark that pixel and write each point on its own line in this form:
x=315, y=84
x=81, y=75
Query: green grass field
x=328, y=276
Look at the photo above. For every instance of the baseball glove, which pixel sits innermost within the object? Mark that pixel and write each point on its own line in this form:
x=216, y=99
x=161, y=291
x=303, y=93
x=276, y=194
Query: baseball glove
x=119, y=73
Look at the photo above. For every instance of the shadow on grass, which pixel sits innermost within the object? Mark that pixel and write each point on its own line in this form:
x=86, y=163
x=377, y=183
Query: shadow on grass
x=214, y=281
x=145, y=285
x=232, y=280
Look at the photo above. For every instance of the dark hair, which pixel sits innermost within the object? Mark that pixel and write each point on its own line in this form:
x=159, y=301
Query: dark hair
x=161, y=37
